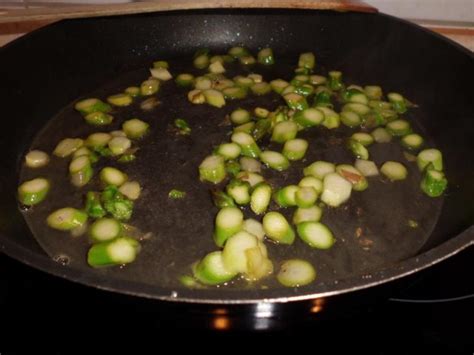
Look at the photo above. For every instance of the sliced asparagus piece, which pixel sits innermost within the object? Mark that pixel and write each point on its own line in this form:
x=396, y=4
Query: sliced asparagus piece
x=34, y=191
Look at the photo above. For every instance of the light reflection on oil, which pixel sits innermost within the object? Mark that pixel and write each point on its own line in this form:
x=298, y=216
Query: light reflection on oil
x=317, y=305
x=221, y=323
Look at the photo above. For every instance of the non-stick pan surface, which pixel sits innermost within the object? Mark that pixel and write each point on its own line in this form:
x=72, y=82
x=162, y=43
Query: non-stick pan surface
x=74, y=58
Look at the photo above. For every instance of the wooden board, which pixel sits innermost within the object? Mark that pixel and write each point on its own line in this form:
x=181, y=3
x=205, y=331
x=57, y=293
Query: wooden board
x=54, y=13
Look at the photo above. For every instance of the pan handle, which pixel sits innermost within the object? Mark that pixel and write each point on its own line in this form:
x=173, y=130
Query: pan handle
x=58, y=12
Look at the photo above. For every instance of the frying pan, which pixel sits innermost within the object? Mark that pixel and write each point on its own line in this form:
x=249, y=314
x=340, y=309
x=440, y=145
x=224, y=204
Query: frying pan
x=44, y=72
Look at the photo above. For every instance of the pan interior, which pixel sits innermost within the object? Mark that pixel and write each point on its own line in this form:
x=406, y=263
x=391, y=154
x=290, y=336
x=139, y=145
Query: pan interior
x=372, y=229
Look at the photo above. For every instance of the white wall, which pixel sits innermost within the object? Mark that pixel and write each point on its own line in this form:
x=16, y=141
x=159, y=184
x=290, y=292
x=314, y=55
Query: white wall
x=447, y=10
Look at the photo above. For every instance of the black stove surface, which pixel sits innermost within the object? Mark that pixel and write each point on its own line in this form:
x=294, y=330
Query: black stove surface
x=432, y=313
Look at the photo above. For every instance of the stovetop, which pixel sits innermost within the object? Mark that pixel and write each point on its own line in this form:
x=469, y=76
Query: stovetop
x=433, y=313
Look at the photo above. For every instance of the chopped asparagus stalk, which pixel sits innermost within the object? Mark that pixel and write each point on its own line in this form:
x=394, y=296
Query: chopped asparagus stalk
x=299, y=80
x=212, y=271
x=235, y=92
x=36, y=159
x=286, y=196
x=319, y=169
x=354, y=176
x=373, y=92
x=216, y=68
x=311, y=181
x=254, y=227
x=229, y=151
x=120, y=100
x=323, y=97
x=105, y=229
x=296, y=101
x=252, y=178
x=331, y=118
x=135, y=128
x=201, y=61
x=94, y=206
x=247, y=144
x=360, y=109
x=274, y=160
x=119, y=145
x=261, y=112
x=284, y=131
x=358, y=149
x=336, y=190
x=119, y=251
x=133, y=91
x=113, y=176
x=316, y=235
x=246, y=128
x=80, y=171
x=433, y=183
x=394, y=170
x=296, y=273
x=238, y=52
x=214, y=98
x=116, y=204
x=262, y=88
x=260, y=199
x=212, y=169
x=98, y=118
x=335, y=80
x=309, y=117
x=161, y=74
x=232, y=167
x=239, y=190
x=161, y=64
x=306, y=60
x=398, y=128
x=277, y=228
x=398, y=102
x=127, y=158
x=176, y=194
x=363, y=138
x=67, y=146
x=247, y=60
x=182, y=126
x=131, y=190
x=430, y=157
x=149, y=87
x=366, y=167
x=295, y=149
x=350, y=119
x=202, y=83
x=98, y=140
x=185, y=80
x=309, y=214
x=261, y=128
x=221, y=199
x=305, y=196
x=265, y=56
x=66, y=219
x=355, y=95
x=278, y=85
x=234, y=255
x=380, y=105
x=243, y=82
x=92, y=105
x=317, y=80
x=258, y=265
x=381, y=135
x=250, y=165
x=240, y=116
x=412, y=141
x=34, y=191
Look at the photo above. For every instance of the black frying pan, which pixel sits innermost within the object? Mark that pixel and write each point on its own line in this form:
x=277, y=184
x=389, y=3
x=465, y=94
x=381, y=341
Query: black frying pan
x=44, y=72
